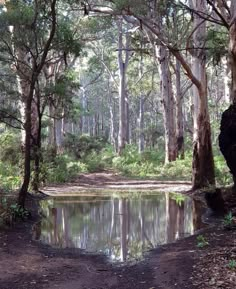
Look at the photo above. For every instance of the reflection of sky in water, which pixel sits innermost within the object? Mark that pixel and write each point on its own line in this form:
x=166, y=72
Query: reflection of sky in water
x=122, y=228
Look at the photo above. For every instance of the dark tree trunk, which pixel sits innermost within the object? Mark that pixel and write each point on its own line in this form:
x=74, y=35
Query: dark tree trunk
x=36, y=70
x=227, y=139
x=24, y=188
x=37, y=157
x=203, y=163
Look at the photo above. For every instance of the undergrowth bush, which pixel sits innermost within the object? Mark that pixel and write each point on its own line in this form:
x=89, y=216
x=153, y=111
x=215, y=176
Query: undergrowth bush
x=81, y=146
x=222, y=172
x=10, y=161
x=10, y=178
x=62, y=169
x=151, y=164
x=97, y=162
x=10, y=148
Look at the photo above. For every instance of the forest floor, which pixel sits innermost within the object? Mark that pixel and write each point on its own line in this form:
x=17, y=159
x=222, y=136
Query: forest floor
x=28, y=264
x=109, y=181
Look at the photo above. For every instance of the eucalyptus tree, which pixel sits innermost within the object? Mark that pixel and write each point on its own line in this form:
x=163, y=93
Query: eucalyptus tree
x=99, y=78
x=28, y=58
x=143, y=15
x=30, y=34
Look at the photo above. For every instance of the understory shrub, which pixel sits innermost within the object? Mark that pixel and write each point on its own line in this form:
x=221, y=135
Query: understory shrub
x=10, y=148
x=62, y=169
x=10, y=161
x=81, y=146
x=151, y=164
x=10, y=178
x=222, y=172
x=97, y=162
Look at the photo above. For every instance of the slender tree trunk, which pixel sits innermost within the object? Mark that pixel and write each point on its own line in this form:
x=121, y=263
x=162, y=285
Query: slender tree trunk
x=37, y=141
x=37, y=158
x=179, y=113
x=227, y=81
x=141, y=110
x=168, y=106
x=141, y=124
x=84, y=116
x=52, y=128
x=112, y=125
x=123, y=64
x=27, y=150
x=127, y=117
x=59, y=134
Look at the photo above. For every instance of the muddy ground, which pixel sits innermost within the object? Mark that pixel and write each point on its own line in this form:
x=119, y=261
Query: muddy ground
x=29, y=264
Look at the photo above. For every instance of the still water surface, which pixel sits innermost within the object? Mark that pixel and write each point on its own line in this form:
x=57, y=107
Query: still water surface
x=121, y=227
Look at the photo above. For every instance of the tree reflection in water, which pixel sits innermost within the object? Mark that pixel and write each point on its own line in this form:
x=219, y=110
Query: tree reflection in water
x=122, y=228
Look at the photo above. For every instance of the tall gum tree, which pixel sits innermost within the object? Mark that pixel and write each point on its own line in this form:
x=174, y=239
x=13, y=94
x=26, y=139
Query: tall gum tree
x=227, y=142
x=28, y=62
x=37, y=67
x=203, y=165
x=179, y=112
x=123, y=61
x=168, y=101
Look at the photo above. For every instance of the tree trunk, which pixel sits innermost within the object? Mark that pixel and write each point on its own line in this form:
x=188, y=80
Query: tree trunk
x=123, y=64
x=141, y=123
x=127, y=117
x=52, y=130
x=203, y=173
x=141, y=109
x=227, y=139
x=203, y=164
x=122, y=120
x=179, y=114
x=168, y=106
x=37, y=66
x=112, y=124
x=37, y=140
x=27, y=153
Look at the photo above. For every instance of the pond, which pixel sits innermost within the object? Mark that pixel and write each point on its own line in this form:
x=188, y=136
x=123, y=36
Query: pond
x=123, y=226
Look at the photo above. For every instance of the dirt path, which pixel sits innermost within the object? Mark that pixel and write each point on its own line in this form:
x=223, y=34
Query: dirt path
x=111, y=182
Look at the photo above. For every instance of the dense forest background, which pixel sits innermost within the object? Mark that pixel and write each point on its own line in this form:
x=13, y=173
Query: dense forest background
x=134, y=86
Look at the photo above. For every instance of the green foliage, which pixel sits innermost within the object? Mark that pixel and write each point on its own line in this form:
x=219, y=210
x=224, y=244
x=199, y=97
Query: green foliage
x=62, y=169
x=232, y=264
x=178, y=198
x=97, y=162
x=10, y=161
x=223, y=176
x=151, y=164
x=81, y=146
x=217, y=44
x=18, y=12
x=9, y=178
x=201, y=241
x=10, y=211
x=10, y=148
x=18, y=212
x=66, y=40
x=228, y=220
